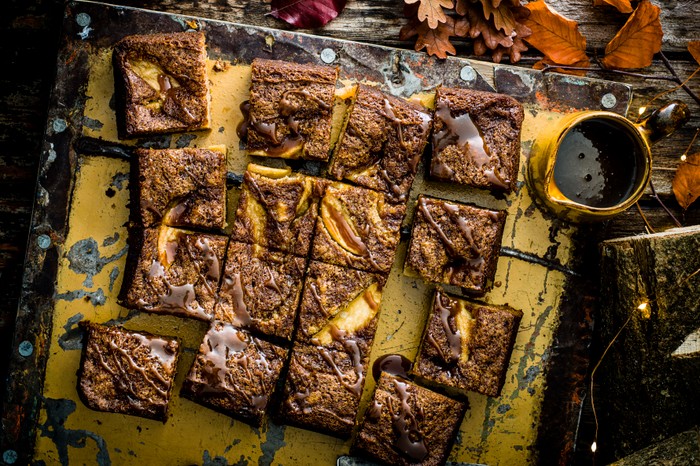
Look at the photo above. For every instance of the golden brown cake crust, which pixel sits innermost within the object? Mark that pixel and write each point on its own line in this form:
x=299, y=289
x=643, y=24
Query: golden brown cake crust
x=382, y=144
x=278, y=213
x=180, y=187
x=290, y=111
x=476, y=138
x=357, y=228
x=408, y=425
x=235, y=373
x=127, y=372
x=467, y=345
x=173, y=271
x=455, y=243
x=260, y=289
x=162, y=83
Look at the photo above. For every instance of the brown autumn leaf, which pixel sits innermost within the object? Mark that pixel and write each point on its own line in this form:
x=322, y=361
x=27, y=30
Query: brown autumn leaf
x=432, y=11
x=639, y=39
x=435, y=41
x=694, y=49
x=623, y=6
x=503, y=17
x=686, y=183
x=557, y=37
x=481, y=27
x=547, y=62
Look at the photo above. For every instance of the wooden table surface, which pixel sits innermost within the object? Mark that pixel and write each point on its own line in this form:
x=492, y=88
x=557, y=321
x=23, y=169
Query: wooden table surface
x=30, y=29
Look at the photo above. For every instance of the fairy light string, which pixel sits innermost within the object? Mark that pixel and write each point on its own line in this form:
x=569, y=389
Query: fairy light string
x=644, y=308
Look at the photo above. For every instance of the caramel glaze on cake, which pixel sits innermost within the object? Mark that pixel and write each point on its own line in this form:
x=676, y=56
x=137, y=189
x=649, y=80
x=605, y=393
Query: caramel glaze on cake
x=467, y=345
x=128, y=372
x=161, y=83
x=290, y=109
x=235, y=373
x=408, y=425
x=476, y=138
x=382, y=144
x=455, y=243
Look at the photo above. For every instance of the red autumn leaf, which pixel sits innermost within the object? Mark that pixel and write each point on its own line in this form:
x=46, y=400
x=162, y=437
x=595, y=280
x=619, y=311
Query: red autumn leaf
x=307, y=14
x=639, y=39
x=686, y=183
x=557, y=37
x=694, y=49
x=434, y=41
x=432, y=11
x=623, y=6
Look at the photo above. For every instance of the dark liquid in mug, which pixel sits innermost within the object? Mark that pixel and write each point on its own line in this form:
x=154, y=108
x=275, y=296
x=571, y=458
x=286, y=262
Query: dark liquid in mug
x=599, y=164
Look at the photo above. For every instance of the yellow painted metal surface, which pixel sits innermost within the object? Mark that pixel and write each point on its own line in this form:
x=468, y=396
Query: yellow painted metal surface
x=495, y=430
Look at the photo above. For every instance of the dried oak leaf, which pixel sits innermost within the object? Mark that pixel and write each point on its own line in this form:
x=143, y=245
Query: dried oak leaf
x=639, y=39
x=623, y=6
x=306, y=14
x=503, y=17
x=686, y=183
x=435, y=41
x=557, y=37
x=479, y=26
x=694, y=49
x=432, y=11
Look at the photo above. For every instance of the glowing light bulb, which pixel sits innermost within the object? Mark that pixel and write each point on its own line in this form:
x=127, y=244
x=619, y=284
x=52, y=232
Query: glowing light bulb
x=683, y=157
x=642, y=110
x=642, y=307
x=644, y=310
x=594, y=447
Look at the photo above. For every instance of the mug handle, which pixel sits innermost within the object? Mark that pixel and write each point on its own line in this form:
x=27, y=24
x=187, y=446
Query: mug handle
x=664, y=121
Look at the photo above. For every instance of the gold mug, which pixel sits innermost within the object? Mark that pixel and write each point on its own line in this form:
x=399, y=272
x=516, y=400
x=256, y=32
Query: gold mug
x=591, y=165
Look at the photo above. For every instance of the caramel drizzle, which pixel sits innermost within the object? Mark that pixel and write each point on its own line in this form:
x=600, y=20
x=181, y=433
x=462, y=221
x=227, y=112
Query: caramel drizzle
x=454, y=338
x=227, y=346
x=464, y=133
x=271, y=282
x=353, y=350
x=347, y=231
x=388, y=113
x=422, y=205
x=316, y=294
x=466, y=230
x=168, y=92
x=255, y=187
x=235, y=289
x=396, y=190
x=409, y=441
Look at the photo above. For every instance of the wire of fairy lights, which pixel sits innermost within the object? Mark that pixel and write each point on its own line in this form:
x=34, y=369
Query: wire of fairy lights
x=645, y=310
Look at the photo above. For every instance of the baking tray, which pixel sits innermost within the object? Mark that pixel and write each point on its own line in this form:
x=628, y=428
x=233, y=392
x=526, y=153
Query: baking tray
x=77, y=249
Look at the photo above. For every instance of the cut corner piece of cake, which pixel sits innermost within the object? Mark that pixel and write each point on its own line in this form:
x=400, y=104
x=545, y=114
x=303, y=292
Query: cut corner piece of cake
x=290, y=110
x=161, y=83
x=406, y=424
x=278, y=209
x=127, y=372
x=467, y=345
x=260, y=289
x=382, y=142
x=180, y=187
x=235, y=373
x=476, y=138
x=455, y=244
x=357, y=228
x=173, y=271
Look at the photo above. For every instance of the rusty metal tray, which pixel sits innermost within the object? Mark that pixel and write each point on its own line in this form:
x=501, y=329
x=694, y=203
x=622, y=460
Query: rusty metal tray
x=77, y=250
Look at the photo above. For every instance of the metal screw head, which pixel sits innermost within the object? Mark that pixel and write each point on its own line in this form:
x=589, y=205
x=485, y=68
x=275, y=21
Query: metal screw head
x=9, y=456
x=608, y=100
x=43, y=241
x=26, y=348
x=467, y=73
x=328, y=56
x=83, y=19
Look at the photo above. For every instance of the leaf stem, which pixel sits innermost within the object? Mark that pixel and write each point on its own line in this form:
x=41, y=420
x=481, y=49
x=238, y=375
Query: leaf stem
x=682, y=83
x=658, y=199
